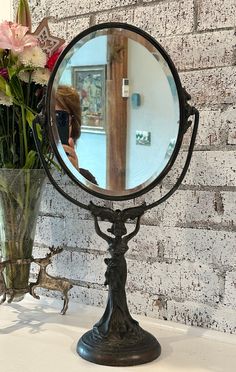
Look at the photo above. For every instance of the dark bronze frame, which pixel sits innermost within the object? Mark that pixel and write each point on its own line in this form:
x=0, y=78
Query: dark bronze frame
x=117, y=339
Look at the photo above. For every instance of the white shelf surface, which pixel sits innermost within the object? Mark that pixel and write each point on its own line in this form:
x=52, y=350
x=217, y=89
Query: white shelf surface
x=34, y=337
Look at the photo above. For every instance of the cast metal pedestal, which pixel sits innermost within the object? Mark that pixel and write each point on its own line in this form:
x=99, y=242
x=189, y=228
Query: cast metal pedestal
x=117, y=339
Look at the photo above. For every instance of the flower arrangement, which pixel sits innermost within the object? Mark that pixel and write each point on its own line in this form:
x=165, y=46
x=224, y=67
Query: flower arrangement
x=26, y=60
x=25, y=65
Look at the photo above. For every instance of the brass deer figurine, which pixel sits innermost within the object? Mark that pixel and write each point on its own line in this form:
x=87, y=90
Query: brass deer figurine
x=44, y=280
x=47, y=281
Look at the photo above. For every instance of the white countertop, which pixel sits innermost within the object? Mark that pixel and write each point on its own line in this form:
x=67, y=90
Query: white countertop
x=34, y=337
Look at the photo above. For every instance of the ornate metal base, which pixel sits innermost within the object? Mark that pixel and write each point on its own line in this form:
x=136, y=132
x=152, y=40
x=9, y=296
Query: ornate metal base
x=117, y=339
x=124, y=352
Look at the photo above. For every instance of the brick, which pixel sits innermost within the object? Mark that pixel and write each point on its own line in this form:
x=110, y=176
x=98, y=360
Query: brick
x=138, y=302
x=207, y=168
x=214, y=14
x=184, y=281
x=178, y=244
x=55, y=204
x=125, y=16
x=230, y=290
x=60, y=8
x=50, y=231
x=229, y=205
x=230, y=117
x=75, y=26
x=80, y=266
x=197, y=314
x=148, y=243
x=165, y=18
x=56, y=8
x=197, y=208
x=84, y=236
x=68, y=29
x=211, y=87
x=52, y=202
x=98, y=5
x=212, y=168
x=223, y=249
x=216, y=127
x=197, y=245
x=89, y=296
x=38, y=13
x=206, y=50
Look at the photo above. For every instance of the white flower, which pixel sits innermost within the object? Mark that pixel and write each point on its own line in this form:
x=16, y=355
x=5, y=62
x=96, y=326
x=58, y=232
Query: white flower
x=33, y=57
x=5, y=100
x=41, y=76
x=24, y=76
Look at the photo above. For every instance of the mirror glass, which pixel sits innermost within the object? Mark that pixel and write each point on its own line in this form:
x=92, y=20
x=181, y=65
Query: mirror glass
x=126, y=105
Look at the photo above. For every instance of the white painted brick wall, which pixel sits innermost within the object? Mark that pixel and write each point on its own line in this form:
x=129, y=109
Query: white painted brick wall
x=166, y=18
x=217, y=128
x=182, y=264
x=213, y=14
x=197, y=51
x=211, y=86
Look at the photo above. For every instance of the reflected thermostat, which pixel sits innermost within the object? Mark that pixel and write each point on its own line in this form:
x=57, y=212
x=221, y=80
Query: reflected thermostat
x=136, y=100
x=125, y=88
x=143, y=137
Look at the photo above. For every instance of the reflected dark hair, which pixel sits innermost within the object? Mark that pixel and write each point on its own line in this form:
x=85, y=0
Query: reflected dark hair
x=69, y=100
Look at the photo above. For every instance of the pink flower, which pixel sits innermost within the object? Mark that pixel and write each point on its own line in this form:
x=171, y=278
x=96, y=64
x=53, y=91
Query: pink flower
x=14, y=37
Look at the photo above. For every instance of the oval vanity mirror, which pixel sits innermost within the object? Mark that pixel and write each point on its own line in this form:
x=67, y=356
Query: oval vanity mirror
x=127, y=122
x=116, y=115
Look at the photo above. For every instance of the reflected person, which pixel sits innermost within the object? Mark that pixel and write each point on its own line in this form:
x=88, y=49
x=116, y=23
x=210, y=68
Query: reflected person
x=68, y=112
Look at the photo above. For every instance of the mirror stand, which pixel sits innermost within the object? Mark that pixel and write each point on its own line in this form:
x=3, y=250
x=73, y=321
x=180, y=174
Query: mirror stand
x=117, y=339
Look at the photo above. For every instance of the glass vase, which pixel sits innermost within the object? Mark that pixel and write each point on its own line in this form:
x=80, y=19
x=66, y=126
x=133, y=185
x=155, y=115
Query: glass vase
x=20, y=196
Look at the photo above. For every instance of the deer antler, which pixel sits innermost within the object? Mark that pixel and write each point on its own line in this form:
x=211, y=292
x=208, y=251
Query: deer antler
x=55, y=250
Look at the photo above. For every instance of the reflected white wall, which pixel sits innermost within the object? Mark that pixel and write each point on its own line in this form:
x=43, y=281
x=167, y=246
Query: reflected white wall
x=157, y=114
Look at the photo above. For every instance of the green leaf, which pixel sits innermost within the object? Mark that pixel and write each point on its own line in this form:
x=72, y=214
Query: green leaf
x=3, y=84
x=30, y=160
x=3, y=185
x=8, y=90
x=29, y=117
x=16, y=89
x=11, y=71
x=39, y=132
x=51, y=161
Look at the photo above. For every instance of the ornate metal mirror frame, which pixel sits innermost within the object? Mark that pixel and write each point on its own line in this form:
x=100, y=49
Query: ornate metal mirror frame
x=117, y=339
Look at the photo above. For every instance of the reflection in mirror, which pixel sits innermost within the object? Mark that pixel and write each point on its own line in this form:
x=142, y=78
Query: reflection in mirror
x=127, y=111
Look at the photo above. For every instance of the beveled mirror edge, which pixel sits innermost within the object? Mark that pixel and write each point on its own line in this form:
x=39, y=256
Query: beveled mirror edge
x=93, y=189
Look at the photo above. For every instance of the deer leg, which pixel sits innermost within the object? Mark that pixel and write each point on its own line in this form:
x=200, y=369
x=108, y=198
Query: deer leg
x=11, y=294
x=3, y=298
x=66, y=301
x=32, y=292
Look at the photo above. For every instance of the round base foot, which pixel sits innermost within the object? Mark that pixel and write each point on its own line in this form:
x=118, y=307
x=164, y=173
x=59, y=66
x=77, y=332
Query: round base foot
x=118, y=352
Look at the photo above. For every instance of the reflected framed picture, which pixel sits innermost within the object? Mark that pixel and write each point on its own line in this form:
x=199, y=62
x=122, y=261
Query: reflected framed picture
x=90, y=82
